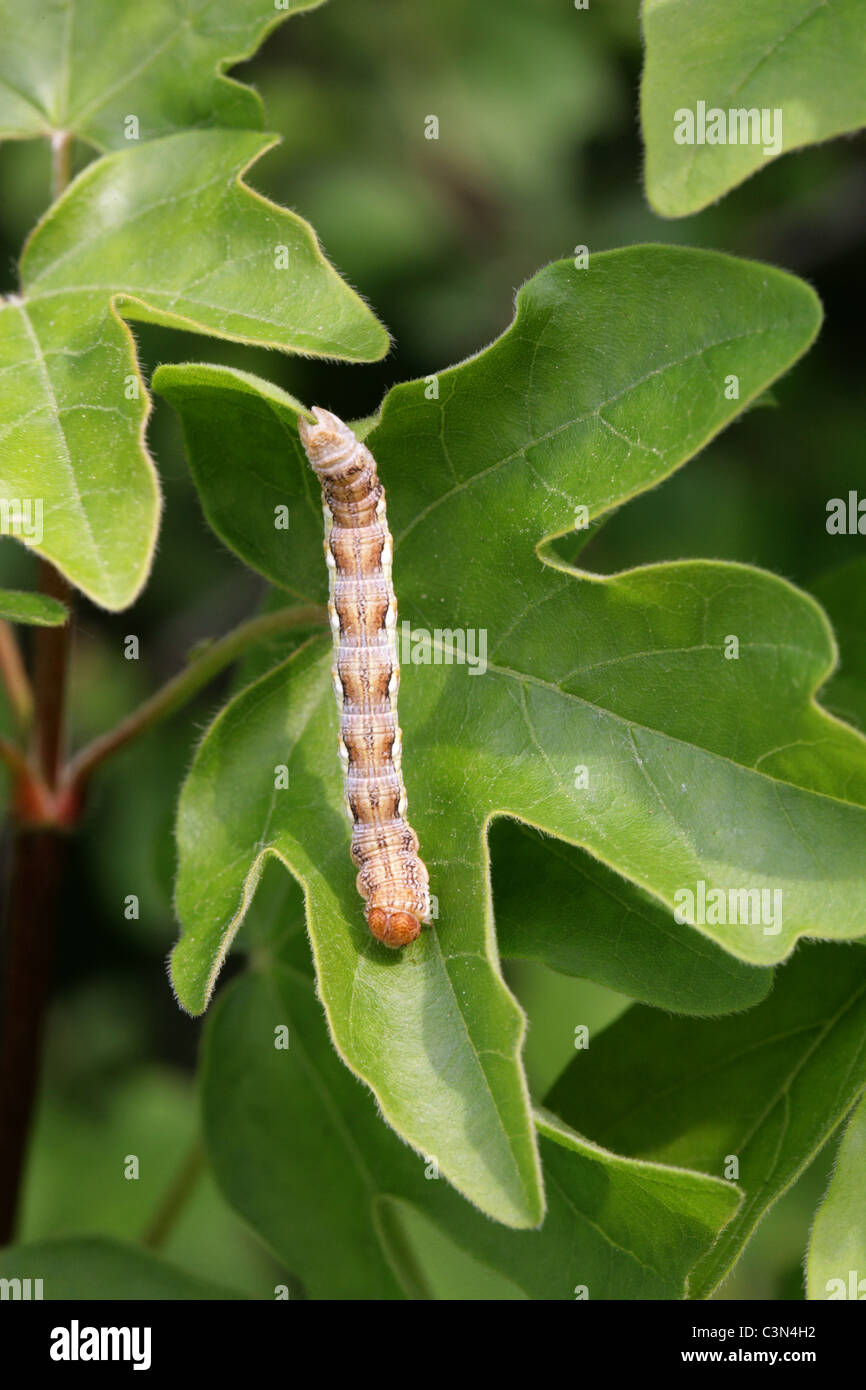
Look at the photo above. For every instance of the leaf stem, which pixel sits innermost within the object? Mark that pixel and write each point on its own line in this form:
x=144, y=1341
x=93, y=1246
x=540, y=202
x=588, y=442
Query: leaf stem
x=14, y=676
x=36, y=868
x=61, y=162
x=179, y=1192
x=205, y=664
x=33, y=897
x=401, y=1254
x=51, y=660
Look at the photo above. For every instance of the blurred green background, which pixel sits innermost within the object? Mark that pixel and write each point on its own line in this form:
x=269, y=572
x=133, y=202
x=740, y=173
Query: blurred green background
x=538, y=152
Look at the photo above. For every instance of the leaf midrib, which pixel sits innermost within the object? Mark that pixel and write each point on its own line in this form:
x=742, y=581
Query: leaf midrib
x=820, y=1027
x=751, y=1206
x=476, y=1053
x=630, y=724
x=332, y=1110
x=76, y=118
x=523, y=449
x=48, y=388
x=691, y=163
x=131, y=293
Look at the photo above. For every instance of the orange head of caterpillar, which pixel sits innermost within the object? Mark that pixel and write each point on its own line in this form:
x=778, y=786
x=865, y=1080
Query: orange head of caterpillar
x=393, y=928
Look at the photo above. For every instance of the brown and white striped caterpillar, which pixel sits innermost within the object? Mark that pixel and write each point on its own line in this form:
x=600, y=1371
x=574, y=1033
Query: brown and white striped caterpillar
x=358, y=549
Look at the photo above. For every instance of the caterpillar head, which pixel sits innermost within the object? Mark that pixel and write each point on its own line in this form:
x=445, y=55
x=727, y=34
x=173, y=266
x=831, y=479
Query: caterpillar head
x=393, y=928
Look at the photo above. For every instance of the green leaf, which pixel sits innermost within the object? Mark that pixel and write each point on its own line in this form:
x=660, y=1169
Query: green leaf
x=842, y=591
x=837, y=1246
x=449, y=1273
x=96, y=1268
x=767, y=1087
x=459, y=1029
x=677, y=1214
x=86, y=66
x=557, y=905
x=282, y=1139
x=297, y=1146
x=802, y=58
x=76, y=1151
x=166, y=233
x=36, y=609
x=701, y=768
x=244, y=518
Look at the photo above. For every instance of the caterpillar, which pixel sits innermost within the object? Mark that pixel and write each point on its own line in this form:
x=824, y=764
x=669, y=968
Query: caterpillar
x=392, y=877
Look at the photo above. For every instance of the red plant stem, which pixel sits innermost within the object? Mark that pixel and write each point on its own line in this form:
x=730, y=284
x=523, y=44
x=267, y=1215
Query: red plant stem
x=51, y=657
x=47, y=789
x=33, y=897
x=34, y=889
x=213, y=658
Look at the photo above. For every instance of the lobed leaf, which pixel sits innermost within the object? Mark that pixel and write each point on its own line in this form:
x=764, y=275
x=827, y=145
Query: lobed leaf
x=766, y=1088
x=167, y=233
x=87, y=66
x=700, y=768
x=298, y=1148
x=586, y=920
x=801, y=58
x=842, y=591
x=836, y=1262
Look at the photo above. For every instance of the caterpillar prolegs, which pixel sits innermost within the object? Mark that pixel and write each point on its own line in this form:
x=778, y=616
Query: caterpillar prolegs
x=358, y=549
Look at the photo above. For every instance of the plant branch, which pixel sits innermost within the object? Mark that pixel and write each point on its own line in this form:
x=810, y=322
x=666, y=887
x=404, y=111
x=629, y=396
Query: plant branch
x=15, y=759
x=51, y=657
x=33, y=896
x=179, y=1192
x=36, y=866
x=205, y=664
x=14, y=676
